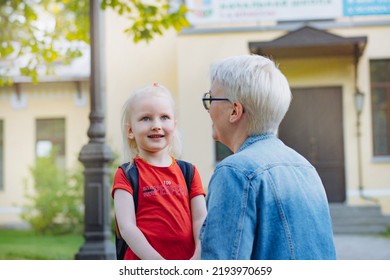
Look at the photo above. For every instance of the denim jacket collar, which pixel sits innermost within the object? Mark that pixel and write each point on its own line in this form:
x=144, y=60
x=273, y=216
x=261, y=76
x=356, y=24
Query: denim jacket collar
x=254, y=138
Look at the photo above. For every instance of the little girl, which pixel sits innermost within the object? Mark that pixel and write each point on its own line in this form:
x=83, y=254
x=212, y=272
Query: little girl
x=167, y=222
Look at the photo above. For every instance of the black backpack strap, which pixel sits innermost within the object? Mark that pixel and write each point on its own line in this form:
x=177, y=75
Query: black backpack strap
x=121, y=245
x=188, y=171
x=131, y=173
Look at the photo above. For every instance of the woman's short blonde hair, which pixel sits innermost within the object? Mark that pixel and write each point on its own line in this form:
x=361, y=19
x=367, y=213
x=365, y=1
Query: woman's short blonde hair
x=257, y=83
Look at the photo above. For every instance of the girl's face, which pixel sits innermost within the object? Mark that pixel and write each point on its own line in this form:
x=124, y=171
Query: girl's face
x=152, y=124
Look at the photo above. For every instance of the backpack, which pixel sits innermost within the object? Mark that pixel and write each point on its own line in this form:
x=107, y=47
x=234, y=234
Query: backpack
x=131, y=173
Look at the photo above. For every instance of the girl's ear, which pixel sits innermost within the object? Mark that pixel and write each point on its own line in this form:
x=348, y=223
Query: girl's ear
x=130, y=133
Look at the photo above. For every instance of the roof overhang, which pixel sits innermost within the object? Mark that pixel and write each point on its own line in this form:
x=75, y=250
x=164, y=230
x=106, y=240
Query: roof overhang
x=309, y=42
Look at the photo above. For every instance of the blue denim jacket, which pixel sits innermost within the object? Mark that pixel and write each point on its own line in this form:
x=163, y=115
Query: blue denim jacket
x=266, y=202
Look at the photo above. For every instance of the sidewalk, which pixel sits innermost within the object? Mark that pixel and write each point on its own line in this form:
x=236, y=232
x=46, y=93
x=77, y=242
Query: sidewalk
x=362, y=247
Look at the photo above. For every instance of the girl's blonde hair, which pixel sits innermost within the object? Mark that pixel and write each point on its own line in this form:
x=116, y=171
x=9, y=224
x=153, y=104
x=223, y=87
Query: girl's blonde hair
x=130, y=147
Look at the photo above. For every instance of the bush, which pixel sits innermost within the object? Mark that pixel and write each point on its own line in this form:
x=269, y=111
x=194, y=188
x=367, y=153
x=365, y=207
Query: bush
x=55, y=207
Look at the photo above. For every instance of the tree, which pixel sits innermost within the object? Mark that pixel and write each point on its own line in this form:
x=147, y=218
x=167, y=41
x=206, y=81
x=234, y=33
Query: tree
x=36, y=35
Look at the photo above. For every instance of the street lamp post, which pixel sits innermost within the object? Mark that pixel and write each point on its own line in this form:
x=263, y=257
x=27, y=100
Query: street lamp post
x=96, y=155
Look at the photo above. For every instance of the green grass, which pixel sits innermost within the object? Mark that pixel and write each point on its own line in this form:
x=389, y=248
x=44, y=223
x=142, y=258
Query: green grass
x=26, y=245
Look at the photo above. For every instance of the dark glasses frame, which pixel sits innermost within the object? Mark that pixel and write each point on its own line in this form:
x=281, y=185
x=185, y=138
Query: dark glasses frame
x=207, y=99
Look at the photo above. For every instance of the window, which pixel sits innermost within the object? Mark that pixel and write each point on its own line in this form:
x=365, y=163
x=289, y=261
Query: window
x=221, y=151
x=50, y=135
x=1, y=156
x=380, y=106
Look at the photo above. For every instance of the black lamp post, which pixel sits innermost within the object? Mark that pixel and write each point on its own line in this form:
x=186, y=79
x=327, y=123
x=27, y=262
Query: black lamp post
x=96, y=155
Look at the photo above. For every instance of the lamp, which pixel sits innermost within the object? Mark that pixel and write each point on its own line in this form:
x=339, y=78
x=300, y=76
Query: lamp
x=359, y=101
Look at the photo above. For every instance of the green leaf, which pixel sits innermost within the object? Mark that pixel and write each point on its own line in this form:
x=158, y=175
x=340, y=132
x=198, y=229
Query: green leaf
x=20, y=33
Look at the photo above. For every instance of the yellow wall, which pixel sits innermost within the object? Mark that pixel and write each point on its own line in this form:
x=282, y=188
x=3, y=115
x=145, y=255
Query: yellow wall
x=375, y=173
x=53, y=100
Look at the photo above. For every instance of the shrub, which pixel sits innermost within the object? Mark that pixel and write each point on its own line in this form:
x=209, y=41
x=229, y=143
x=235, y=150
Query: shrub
x=55, y=207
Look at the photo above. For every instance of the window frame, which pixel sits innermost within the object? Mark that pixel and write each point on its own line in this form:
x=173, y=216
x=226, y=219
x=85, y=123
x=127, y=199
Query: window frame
x=376, y=87
x=55, y=137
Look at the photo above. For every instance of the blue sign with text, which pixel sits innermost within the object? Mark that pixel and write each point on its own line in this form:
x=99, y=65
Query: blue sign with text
x=366, y=7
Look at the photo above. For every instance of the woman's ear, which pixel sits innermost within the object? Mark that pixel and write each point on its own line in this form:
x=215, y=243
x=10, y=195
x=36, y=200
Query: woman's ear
x=237, y=112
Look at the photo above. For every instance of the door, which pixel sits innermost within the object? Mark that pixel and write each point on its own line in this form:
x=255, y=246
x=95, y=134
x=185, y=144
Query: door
x=313, y=126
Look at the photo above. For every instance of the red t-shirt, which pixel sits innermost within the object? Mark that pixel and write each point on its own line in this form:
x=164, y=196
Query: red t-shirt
x=163, y=213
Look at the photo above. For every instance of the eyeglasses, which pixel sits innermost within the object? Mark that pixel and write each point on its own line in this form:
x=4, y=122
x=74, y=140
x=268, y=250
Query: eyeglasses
x=207, y=99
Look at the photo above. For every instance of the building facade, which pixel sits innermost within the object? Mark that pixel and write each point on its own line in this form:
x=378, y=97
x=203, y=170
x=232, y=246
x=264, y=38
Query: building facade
x=323, y=122
x=331, y=61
